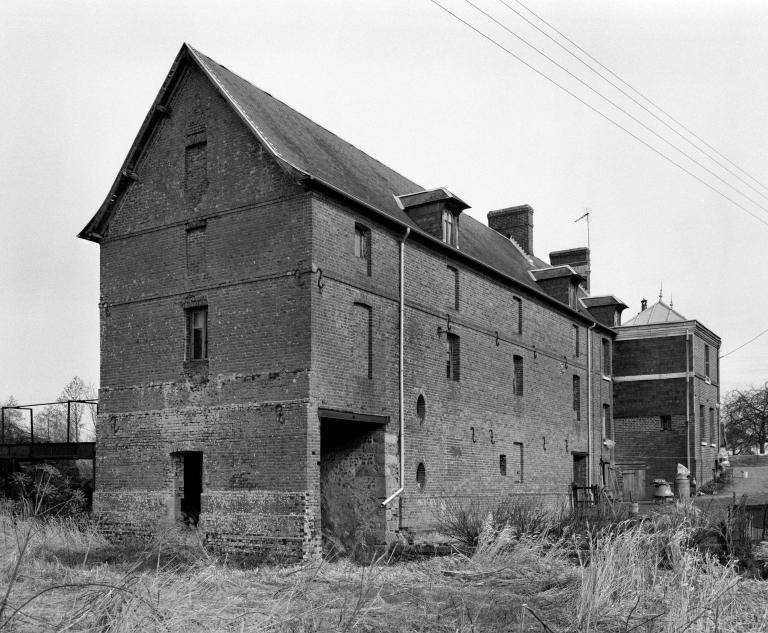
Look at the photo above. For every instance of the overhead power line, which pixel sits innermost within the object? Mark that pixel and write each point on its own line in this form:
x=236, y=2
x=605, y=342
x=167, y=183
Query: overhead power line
x=752, y=340
x=628, y=85
x=696, y=146
x=600, y=113
x=617, y=106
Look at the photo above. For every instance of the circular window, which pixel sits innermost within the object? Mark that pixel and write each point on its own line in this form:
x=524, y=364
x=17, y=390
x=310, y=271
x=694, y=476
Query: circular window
x=421, y=408
x=421, y=476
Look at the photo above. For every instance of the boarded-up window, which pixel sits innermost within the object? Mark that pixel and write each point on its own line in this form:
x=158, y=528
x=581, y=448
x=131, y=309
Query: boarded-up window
x=195, y=167
x=702, y=424
x=712, y=427
x=606, y=357
x=517, y=463
x=577, y=396
x=453, y=357
x=576, y=341
x=196, y=261
x=607, y=422
x=362, y=340
x=517, y=381
x=517, y=314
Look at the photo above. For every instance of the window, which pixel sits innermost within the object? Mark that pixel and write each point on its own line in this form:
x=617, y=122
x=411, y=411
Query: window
x=421, y=476
x=518, y=463
x=452, y=361
x=518, y=313
x=362, y=340
x=517, y=384
x=454, y=279
x=450, y=233
x=576, y=342
x=363, y=245
x=421, y=408
x=577, y=396
x=503, y=465
x=606, y=357
x=195, y=167
x=712, y=427
x=196, y=262
x=666, y=422
x=197, y=333
x=702, y=424
x=607, y=423
x=706, y=361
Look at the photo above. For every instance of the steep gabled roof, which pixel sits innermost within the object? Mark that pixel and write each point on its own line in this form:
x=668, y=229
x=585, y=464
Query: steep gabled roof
x=312, y=154
x=659, y=312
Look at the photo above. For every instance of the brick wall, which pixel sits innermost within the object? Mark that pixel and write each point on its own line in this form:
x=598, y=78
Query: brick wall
x=245, y=407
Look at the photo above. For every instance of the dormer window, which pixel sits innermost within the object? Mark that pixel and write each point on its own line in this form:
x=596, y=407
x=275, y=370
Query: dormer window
x=450, y=234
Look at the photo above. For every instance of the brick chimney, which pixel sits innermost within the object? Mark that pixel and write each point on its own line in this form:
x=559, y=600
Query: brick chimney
x=516, y=223
x=643, y=305
x=576, y=258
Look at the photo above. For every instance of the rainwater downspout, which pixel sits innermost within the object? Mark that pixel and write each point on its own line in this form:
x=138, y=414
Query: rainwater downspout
x=397, y=492
x=687, y=402
x=589, y=402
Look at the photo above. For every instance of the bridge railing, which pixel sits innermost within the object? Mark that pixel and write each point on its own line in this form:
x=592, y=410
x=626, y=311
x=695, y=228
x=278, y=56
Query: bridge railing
x=6, y=422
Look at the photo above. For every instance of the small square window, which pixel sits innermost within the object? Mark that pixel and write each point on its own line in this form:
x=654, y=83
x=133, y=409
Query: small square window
x=197, y=333
x=666, y=422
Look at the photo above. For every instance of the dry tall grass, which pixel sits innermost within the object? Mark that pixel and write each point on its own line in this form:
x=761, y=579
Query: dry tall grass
x=643, y=578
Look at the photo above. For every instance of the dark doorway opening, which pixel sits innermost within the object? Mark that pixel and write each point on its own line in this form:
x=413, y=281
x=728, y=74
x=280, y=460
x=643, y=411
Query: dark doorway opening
x=580, y=469
x=191, y=486
x=352, y=487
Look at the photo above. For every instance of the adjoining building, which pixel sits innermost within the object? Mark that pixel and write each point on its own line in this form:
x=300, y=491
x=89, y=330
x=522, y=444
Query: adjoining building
x=666, y=398
x=297, y=340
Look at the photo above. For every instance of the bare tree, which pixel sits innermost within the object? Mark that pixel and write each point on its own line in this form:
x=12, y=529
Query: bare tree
x=745, y=413
x=82, y=416
x=15, y=429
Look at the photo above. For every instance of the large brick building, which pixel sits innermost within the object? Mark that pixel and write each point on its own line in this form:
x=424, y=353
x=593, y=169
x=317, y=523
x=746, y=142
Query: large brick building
x=666, y=398
x=296, y=339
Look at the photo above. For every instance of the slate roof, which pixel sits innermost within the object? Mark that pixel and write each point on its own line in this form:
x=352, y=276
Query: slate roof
x=659, y=312
x=308, y=150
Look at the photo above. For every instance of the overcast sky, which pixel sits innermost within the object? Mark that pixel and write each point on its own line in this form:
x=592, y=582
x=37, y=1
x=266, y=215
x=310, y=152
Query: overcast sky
x=418, y=90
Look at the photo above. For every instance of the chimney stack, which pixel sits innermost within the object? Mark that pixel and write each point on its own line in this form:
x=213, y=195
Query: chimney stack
x=643, y=305
x=516, y=223
x=576, y=258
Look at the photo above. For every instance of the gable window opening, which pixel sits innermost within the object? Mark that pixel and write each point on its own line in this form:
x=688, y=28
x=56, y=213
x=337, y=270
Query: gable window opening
x=453, y=357
x=450, y=232
x=666, y=422
x=363, y=245
x=197, y=333
x=517, y=382
x=577, y=397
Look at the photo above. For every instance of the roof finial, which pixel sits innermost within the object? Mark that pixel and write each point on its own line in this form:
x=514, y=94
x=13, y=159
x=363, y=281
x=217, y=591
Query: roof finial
x=661, y=291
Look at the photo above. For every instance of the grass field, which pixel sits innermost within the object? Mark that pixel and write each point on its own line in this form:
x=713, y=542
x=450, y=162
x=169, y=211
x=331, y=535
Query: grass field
x=62, y=575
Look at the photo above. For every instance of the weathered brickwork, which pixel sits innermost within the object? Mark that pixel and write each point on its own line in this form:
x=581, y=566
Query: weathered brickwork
x=250, y=328
x=661, y=370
